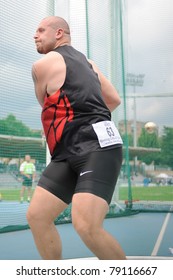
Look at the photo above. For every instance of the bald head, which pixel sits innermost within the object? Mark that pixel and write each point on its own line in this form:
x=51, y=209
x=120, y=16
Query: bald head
x=52, y=32
x=57, y=22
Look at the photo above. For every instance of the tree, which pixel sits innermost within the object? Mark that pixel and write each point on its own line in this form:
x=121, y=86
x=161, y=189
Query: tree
x=11, y=126
x=150, y=140
x=18, y=148
x=167, y=147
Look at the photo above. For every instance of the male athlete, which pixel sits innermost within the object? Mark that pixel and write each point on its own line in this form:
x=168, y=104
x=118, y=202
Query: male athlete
x=85, y=146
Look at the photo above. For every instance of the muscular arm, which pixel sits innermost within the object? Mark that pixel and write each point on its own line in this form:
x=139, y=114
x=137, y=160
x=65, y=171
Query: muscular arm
x=109, y=93
x=48, y=75
x=39, y=91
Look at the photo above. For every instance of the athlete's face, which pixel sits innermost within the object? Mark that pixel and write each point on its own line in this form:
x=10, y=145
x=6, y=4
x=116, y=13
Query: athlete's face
x=45, y=37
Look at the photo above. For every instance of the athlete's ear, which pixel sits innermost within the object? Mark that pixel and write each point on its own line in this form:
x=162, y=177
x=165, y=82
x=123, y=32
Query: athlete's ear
x=59, y=33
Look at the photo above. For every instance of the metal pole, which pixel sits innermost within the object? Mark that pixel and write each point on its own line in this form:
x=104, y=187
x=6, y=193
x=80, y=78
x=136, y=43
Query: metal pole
x=50, y=8
x=135, y=127
x=134, y=80
x=50, y=12
x=130, y=204
x=112, y=33
x=135, y=130
x=87, y=29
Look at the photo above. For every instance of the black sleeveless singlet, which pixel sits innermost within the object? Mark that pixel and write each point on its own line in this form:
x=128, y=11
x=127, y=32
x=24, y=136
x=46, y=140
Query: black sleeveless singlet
x=68, y=115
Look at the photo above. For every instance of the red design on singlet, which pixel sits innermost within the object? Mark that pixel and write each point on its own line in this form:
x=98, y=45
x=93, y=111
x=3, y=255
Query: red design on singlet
x=57, y=111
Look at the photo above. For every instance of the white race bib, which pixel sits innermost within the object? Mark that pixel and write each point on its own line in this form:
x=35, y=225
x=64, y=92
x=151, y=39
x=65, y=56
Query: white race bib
x=107, y=133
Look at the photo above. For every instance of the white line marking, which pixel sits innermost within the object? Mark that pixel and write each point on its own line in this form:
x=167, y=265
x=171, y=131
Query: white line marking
x=132, y=258
x=161, y=234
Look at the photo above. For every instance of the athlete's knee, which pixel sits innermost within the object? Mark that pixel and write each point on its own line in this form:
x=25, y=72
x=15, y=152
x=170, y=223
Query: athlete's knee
x=34, y=216
x=86, y=229
x=31, y=215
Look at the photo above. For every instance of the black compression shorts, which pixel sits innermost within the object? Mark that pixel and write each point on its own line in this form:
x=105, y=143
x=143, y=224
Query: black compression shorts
x=95, y=173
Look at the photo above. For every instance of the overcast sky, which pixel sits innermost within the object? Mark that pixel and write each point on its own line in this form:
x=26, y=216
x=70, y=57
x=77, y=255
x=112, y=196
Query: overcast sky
x=148, y=50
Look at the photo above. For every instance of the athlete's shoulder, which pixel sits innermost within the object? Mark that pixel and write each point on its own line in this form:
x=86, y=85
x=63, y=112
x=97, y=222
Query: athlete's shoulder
x=47, y=58
x=40, y=67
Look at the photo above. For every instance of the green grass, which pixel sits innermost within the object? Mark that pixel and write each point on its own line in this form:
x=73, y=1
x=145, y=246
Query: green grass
x=161, y=193
x=11, y=194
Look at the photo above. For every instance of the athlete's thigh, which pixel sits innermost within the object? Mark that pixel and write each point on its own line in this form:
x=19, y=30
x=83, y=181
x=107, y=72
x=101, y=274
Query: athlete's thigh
x=59, y=179
x=88, y=209
x=99, y=173
x=45, y=206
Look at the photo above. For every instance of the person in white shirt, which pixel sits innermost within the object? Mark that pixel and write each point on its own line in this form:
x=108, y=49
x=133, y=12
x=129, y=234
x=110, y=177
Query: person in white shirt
x=27, y=170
